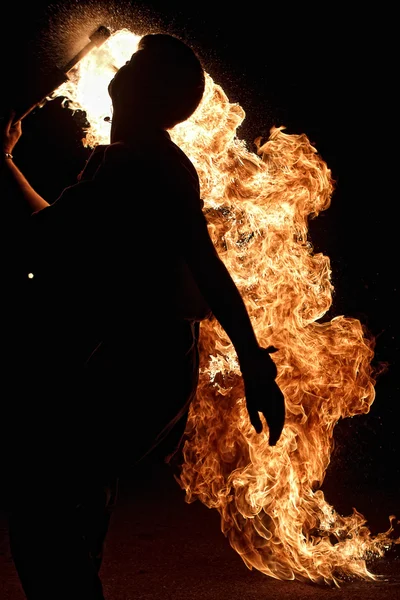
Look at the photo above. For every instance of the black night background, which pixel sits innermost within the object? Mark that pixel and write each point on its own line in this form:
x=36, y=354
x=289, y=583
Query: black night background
x=317, y=69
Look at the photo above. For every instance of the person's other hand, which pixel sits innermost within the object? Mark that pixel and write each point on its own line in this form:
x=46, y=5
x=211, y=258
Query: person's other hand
x=11, y=132
x=263, y=394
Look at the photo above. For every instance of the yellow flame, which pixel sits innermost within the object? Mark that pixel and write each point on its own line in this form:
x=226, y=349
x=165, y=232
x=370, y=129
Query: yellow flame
x=258, y=206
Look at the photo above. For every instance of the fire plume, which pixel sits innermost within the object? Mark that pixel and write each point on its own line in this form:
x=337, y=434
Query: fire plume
x=272, y=509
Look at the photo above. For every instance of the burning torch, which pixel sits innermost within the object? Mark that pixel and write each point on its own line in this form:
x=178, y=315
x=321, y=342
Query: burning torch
x=58, y=76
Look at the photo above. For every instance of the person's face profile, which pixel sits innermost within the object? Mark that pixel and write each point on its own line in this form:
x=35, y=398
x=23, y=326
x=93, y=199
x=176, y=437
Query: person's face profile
x=114, y=81
x=119, y=75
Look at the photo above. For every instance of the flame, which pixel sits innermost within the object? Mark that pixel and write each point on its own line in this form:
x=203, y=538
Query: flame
x=272, y=509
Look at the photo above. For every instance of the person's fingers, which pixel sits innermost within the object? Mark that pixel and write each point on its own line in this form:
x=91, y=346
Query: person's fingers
x=275, y=430
x=273, y=437
x=255, y=420
x=16, y=125
x=277, y=420
x=7, y=125
x=9, y=117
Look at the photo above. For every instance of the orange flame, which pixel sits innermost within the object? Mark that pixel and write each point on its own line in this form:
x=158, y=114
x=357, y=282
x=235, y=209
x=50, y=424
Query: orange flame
x=272, y=510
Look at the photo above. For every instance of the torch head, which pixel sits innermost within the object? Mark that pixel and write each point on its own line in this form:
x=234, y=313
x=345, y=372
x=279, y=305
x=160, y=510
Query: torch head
x=100, y=35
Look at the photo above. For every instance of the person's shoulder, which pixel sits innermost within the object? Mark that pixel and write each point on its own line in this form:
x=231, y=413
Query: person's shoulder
x=117, y=151
x=134, y=153
x=119, y=162
x=180, y=164
x=101, y=154
x=178, y=154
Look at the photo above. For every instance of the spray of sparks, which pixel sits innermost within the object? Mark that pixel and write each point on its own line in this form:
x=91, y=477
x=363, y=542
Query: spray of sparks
x=272, y=509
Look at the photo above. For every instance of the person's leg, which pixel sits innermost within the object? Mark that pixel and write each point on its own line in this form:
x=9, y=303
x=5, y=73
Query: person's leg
x=95, y=514
x=56, y=543
x=190, y=378
x=169, y=443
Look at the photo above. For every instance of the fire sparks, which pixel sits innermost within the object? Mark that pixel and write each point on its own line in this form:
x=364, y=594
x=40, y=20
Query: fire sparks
x=272, y=509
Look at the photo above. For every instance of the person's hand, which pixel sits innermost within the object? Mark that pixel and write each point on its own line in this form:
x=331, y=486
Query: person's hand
x=11, y=132
x=263, y=394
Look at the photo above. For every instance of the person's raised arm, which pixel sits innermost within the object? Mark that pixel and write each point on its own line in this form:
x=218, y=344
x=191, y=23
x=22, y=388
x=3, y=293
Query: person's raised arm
x=11, y=132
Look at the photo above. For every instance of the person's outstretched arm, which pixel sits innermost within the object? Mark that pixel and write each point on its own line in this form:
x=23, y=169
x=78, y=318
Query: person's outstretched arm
x=10, y=136
x=263, y=395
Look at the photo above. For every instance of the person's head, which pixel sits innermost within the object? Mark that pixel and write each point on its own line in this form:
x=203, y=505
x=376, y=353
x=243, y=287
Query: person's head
x=163, y=83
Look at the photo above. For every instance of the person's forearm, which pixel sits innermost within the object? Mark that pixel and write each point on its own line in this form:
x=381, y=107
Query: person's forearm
x=228, y=307
x=21, y=185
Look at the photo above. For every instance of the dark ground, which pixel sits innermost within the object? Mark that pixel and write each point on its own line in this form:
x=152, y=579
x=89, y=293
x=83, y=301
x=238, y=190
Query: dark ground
x=161, y=548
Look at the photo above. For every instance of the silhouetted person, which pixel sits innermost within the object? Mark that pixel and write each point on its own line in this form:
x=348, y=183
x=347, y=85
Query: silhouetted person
x=115, y=277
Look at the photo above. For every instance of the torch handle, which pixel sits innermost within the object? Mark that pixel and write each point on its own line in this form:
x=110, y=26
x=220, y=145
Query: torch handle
x=53, y=81
x=59, y=76
x=96, y=39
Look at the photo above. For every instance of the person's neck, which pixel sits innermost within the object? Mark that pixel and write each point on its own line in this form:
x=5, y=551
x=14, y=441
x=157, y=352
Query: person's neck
x=122, y=131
